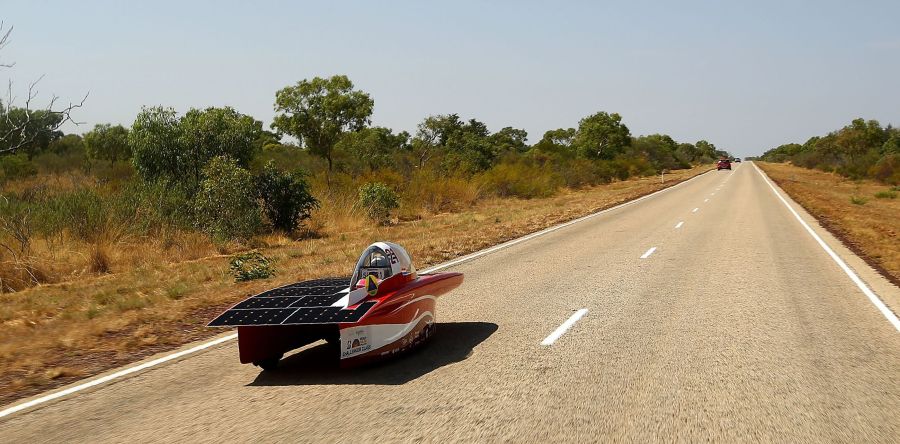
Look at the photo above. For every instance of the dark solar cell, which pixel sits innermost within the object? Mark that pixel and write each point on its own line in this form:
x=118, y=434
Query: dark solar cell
x=275, y=302
x=313, y=315
x=301, y=291
x=356, y=315
x=259, y=316
x=326, y=282
x=327, y=315
x=318, y=301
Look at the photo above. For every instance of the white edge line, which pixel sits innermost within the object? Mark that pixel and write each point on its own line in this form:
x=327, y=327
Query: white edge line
x=118, y=374
x=679, y=224
x=648, y=253
x=549, y=340
x=891, y=317
x=95, y=382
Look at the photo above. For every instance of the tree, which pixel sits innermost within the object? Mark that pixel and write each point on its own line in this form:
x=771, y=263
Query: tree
x=155, y=141
x=602, y=136
x=468, y=148
x=319, y=111
x=225, y=204
x=858, y=138
x=25, y=127
x=659, y=149
x=216, y=132
x=687, y=152
x=107, y=142
x=559, y=141
x=178, y=149
x=28, y=131
x=706, y=149
x=372, y=148
x=509, y=140
x=68, y=144
x=286, y=197
x=432, y=135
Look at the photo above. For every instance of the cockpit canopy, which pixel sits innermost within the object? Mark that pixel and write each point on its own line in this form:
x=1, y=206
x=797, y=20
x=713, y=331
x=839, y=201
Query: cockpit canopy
x=382, y=260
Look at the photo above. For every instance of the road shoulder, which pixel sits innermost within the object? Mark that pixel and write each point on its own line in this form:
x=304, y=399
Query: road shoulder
x=881, y=286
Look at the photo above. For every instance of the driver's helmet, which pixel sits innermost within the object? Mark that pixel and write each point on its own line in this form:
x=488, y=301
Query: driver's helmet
x=381, y=260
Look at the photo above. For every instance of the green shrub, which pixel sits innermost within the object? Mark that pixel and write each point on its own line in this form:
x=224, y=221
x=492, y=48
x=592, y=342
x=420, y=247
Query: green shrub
x=886, y=195
x=856, y=200
x=251, y=265
x=156, y=205
x=585, y=172
x=56, y=163
x=286, y=197
x=84, y=212
x=225, y=205
x=16, y=166
x=378, y=200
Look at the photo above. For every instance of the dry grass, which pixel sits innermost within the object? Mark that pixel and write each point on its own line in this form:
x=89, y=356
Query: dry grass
x=849, y=209
x=86, y=325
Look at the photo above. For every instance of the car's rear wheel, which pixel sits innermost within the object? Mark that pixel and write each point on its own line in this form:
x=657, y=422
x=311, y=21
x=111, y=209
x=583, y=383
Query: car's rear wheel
x=268, y=364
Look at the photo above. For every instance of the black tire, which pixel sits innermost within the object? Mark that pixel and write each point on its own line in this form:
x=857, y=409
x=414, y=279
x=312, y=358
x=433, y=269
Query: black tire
x=268, y=364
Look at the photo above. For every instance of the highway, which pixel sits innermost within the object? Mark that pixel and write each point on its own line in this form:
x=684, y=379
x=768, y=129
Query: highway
x=704, y=312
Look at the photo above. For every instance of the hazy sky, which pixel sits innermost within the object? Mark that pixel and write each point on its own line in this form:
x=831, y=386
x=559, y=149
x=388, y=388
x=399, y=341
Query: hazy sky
x=745, y=77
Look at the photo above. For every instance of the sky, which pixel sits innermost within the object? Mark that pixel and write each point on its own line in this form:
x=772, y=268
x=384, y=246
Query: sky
x=746, y=76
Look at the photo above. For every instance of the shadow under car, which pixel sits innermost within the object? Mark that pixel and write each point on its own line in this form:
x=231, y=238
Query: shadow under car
x=319, y=365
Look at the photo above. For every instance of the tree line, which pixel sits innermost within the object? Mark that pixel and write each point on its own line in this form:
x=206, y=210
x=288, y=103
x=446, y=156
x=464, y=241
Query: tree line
x=236, y=176
x=862, y=149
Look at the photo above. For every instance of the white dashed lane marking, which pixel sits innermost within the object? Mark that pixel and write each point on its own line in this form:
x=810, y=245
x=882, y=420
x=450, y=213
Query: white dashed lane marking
x=549, y=340
x=648, y=253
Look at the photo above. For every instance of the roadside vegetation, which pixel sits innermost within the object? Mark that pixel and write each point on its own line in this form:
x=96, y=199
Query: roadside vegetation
x=861, y=150
x=861, y=212
x=177, y=187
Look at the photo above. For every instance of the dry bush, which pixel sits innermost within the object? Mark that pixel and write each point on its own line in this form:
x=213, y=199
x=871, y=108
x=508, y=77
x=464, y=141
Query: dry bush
x=16, y=275
x=186, y=246
x=98, y=261
x=339, y=213
x=435, y=194
x=520, y=180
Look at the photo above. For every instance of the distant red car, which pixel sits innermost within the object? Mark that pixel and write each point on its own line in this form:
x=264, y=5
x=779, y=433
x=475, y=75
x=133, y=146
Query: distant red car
x=723, y=164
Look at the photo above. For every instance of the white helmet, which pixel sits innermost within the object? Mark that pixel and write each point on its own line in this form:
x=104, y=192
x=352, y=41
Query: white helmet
x=382, y=260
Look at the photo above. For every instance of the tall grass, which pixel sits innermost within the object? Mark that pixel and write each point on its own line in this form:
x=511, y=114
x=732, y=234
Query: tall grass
x=57, y=224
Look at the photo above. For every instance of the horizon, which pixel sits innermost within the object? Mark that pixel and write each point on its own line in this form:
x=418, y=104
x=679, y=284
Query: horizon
x=746, y=78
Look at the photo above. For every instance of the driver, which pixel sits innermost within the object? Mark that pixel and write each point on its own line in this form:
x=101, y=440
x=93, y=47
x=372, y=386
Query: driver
x=379, y=268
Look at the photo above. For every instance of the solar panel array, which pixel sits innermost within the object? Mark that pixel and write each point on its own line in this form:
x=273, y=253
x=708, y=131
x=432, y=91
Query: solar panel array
x=306, y=302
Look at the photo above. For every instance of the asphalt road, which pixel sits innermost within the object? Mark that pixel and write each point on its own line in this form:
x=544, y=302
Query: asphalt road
x=737, y=327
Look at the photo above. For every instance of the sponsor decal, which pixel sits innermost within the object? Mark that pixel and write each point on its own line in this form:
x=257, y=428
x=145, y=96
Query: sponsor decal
x=356, y=343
